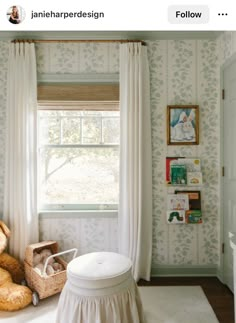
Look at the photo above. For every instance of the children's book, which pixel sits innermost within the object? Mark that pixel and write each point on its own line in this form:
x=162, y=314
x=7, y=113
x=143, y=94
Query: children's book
x=178, y=174
x=192, y=164
x=168, y=161
x=194, y=178
x=193, y=216
x=194, y=198
x=177, y=202
x=176, y=217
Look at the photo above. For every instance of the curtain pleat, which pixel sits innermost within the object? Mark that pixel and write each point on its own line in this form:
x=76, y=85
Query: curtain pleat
x=135, y=205
x=20, y=193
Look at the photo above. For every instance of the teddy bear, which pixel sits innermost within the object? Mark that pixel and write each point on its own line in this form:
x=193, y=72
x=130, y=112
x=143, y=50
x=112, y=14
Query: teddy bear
x=13, y=296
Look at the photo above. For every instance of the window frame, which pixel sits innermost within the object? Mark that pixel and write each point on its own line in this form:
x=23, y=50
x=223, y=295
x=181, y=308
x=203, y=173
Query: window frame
x=104, y=96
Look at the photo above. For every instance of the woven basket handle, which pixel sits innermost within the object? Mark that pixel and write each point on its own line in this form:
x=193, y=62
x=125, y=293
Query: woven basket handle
x=58, y=254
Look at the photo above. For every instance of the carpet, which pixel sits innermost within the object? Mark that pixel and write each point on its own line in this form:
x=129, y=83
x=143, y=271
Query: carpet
x=168, y=304
x=176, y=304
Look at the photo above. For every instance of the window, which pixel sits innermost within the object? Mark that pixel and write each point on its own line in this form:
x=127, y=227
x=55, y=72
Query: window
x=78, y=158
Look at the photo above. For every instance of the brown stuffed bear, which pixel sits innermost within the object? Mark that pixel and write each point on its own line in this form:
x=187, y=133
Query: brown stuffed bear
x=12, y=296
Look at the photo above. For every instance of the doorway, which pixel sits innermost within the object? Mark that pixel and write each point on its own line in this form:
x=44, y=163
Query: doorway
x=229, y=162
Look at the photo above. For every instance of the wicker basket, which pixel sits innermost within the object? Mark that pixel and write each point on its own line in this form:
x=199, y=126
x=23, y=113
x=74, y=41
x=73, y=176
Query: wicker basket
x=42, y=284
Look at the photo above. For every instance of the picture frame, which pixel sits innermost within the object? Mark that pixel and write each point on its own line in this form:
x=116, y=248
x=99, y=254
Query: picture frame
x=183, y=125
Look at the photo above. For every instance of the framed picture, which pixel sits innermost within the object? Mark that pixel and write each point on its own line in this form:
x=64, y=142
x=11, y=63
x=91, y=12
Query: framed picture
x=182, y=124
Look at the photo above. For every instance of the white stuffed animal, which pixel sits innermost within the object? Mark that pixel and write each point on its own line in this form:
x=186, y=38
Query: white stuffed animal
x=36, y=258
x=39, y=260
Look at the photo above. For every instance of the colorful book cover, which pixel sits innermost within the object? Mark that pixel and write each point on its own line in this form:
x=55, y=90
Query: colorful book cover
x=194, y=178
x=178, y=174
x=192, y=164
x=193, y=216
x=177, y=202
x=168, y=161
x=175, y=216
x=194, y=198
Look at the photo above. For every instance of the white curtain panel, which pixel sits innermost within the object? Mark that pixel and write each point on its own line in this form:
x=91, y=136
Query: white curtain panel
x=20, y=194
x=135, y=206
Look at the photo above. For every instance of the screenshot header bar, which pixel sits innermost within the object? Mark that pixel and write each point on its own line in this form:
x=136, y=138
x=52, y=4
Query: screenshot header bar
x=116, y=15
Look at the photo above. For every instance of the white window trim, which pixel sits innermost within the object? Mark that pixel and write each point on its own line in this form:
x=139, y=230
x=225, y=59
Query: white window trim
x=68, y=208
x=77, y=214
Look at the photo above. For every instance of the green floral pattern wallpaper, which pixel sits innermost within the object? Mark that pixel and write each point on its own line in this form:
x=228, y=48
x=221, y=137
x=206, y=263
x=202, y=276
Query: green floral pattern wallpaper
x=185, y=72
x=181, y=72
x=76, y=58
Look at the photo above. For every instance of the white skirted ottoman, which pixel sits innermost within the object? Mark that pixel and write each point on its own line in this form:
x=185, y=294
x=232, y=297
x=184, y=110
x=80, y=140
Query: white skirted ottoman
x=100, y=289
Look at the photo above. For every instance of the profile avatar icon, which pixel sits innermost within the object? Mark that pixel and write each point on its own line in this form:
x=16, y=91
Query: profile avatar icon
x=16, y=14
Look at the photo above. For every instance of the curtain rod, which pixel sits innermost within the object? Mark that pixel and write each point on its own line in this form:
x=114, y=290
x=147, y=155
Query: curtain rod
x=78, y=41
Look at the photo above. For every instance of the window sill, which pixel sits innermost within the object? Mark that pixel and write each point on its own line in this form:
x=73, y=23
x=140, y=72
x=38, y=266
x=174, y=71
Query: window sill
x=74, y=214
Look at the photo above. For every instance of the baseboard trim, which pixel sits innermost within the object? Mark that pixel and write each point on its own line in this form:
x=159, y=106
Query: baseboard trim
x=183, y=271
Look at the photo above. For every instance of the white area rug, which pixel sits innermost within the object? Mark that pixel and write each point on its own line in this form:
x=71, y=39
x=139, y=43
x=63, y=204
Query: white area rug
x=169, y=304
x=176, y=304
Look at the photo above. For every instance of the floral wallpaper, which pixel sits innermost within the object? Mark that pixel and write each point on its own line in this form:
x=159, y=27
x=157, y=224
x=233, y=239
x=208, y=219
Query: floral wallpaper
x=185, y=72
x=86, y=234
x=181, y=72
x=227, y=45
x=76, y=58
